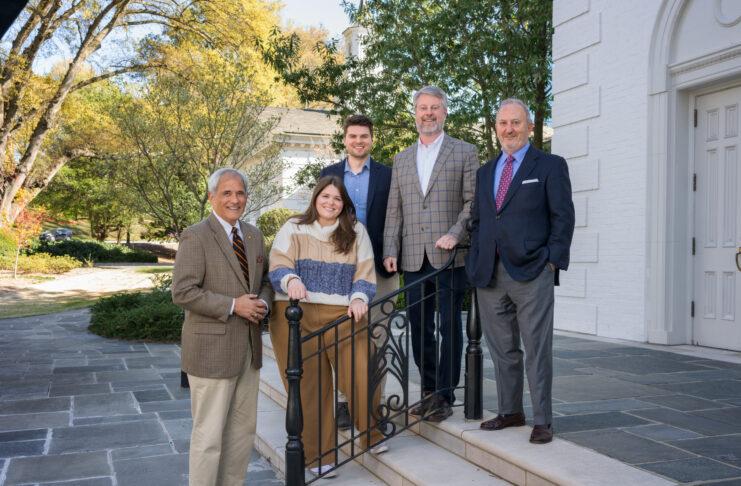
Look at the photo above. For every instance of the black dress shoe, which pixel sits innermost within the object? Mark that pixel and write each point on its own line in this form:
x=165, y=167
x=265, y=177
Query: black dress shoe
x=502, y=422
x=342, y=417
x=542, y=434
x=439, y=411
x=424, y=406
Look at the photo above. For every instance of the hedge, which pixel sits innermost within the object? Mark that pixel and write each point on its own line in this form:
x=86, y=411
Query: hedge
x=39, y=263
x=86, y=251
x=138, y=316
x=270, y=222
x=7, y=247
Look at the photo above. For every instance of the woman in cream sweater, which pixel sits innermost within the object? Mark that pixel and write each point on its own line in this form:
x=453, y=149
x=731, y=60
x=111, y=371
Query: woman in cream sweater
x=324, y=258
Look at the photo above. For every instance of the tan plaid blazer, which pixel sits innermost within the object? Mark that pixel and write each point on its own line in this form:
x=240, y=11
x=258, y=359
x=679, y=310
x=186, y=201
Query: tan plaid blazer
x=205, y=279
x=415, y=221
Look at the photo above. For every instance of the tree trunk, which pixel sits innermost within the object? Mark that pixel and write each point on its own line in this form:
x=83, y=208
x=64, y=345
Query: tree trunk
x=17, y=254
x=49, y=117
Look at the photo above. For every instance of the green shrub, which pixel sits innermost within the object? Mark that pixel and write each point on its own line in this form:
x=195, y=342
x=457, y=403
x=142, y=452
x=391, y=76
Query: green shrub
x=7, y=247
x=137, y=316
x=95, y=251
x=39, y=263
x=271, y=221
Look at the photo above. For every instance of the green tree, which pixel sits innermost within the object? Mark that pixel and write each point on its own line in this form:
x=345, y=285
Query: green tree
x=201, y=112
x=91, y=188
x=478, y=51
x=32, y=105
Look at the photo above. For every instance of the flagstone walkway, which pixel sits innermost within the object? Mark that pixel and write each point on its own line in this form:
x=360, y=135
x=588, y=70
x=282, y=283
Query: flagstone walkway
x=95, y=411
x=79, y=409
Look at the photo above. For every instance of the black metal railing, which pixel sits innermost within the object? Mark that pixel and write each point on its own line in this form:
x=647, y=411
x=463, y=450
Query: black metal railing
x=386, y=335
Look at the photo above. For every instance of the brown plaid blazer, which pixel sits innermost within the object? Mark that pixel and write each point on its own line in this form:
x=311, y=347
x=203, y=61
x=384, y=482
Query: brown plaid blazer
x=205, y=279
x=415, y=221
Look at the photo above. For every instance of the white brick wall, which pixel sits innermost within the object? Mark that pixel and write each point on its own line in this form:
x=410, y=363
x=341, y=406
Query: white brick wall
x=600, y=53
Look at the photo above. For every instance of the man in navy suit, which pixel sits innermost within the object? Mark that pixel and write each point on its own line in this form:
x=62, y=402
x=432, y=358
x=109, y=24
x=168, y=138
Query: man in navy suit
x=522, y=224
x=367, y=183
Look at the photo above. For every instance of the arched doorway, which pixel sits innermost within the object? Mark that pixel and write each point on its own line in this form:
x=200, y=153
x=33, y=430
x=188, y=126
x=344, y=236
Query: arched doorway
x=693, y=65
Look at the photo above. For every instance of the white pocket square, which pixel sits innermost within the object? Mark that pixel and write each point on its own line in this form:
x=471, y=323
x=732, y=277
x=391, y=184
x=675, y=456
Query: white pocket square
x=530, y=181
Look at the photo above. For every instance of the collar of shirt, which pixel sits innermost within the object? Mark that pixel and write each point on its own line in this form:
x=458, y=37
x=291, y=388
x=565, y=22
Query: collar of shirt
x=519, y=156
x=435, y=144
x=228, y=228
x=366, y=165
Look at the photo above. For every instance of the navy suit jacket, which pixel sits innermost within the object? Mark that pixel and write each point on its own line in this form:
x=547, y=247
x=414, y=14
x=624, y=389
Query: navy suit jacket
x=378, y=195
x=533, y=227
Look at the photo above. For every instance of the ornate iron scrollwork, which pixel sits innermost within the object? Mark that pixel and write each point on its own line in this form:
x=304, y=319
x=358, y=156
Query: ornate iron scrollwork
x=389, y=328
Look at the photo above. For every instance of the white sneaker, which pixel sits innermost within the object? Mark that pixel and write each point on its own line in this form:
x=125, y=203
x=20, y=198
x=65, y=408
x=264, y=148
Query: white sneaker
x=327, y=467
x=379, y=449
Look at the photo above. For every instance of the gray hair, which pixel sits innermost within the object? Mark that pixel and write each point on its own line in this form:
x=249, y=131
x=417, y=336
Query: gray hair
x=515, y=101
x=213, y=181
x=434, y=91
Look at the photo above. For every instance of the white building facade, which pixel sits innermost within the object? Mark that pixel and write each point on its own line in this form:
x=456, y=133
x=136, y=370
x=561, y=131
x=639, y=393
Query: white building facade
x=646, y=111
x=304, y=137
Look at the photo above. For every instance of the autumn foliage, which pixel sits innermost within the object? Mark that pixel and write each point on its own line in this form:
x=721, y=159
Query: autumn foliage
x=27, y=224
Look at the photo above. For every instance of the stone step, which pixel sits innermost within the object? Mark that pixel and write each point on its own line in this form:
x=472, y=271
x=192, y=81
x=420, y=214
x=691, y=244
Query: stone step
x=271, y=443
x=506, y=454
x=410, y=460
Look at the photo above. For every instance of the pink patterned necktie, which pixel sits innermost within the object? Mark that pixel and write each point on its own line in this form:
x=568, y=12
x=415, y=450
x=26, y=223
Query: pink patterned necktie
x=504, y=181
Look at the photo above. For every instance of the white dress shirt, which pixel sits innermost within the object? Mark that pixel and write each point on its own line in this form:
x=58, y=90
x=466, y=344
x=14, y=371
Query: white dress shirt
x=426, y=157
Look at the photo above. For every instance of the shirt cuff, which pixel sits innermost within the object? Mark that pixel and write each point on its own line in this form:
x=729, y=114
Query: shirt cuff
x=267, y=307
x=231, y=311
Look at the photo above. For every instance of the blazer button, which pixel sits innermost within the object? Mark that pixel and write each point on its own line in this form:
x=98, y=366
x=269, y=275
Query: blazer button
x=497, y=217
x=424, y=206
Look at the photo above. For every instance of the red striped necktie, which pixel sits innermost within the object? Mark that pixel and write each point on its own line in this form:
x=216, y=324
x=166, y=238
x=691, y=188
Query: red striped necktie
x=238, y=246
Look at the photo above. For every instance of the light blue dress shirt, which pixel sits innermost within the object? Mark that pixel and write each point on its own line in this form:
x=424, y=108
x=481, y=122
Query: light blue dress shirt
x=357, y=188
x=519, y=155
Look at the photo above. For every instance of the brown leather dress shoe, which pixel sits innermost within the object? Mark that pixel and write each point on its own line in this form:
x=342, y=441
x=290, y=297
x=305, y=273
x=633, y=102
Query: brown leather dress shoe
x=542, y=434
x=439, y=410
x=501, y=422
x=424, y=406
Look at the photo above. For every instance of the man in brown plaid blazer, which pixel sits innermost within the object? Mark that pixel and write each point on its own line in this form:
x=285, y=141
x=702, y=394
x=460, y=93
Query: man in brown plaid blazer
x=221, y=280
x=429, y=204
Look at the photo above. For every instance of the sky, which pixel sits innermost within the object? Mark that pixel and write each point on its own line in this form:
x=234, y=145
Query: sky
x=328, y=13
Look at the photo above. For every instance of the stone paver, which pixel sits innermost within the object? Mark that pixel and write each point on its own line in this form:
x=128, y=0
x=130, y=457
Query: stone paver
x=674, y=414
x=80, y=410
x=77, y=409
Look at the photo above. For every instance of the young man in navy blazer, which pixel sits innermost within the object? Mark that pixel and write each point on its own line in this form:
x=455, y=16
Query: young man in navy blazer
x=522, y=225
x=367, y=183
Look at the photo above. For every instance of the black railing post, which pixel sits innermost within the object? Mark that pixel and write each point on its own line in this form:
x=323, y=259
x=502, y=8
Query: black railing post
x=474, y=395
x=184, y=383
x=294, y=415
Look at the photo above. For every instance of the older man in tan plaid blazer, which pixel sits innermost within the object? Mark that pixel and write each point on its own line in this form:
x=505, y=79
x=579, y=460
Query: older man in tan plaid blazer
x=221, y=280
x=429, y=205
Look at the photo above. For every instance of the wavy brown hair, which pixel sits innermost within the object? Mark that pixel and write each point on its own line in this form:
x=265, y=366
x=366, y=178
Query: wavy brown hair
x=343, y=238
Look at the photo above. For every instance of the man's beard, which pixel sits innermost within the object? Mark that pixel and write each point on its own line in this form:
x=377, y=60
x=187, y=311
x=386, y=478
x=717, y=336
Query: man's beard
x=430, y=130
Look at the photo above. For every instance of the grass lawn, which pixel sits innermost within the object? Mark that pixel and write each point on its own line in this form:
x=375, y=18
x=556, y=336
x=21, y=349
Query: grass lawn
x=154, y=270
x=26, y=309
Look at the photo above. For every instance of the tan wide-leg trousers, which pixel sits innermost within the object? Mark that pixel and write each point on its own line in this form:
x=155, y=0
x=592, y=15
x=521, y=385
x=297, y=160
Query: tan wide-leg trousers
x=224, y=421
x=351, y=363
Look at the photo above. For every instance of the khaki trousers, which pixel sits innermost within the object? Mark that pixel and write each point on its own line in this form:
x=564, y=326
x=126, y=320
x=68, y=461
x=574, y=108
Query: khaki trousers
x=224, y=420
x=350, y=360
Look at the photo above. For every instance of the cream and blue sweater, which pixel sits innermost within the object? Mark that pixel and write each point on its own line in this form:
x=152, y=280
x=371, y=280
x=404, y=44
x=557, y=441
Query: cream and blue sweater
x=304, y=251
